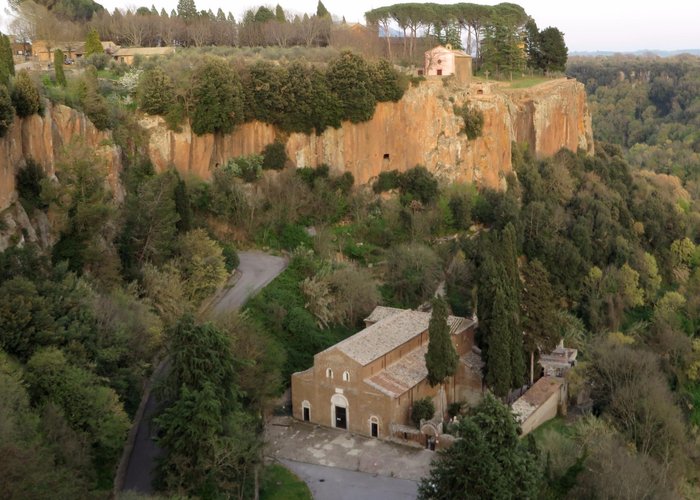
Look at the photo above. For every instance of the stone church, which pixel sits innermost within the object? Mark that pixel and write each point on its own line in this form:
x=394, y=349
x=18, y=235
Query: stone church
x=367, y=383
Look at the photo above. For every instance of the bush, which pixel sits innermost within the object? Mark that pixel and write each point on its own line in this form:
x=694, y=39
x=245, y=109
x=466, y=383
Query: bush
x=473, y=121
x=99, y=61
x=248, y=167
x=413, y=274
x=387, y=181
x=7, y=112
x=25, y=95
x=292, y=236
x=29, y=183
x=156, y=92
x=388, y=84
x=423, y=409
x=231, y=259
x=418, y=183
x=274, y=156
x=349, y=78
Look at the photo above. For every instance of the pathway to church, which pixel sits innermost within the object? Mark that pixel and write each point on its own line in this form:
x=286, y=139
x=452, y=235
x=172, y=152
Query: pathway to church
x=398, y=467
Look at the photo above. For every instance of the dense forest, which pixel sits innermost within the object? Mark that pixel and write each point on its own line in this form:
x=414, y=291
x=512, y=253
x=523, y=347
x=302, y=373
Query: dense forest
x=600, y=251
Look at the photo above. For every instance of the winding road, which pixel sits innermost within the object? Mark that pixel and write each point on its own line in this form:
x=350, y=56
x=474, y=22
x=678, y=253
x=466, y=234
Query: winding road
x=255, y=271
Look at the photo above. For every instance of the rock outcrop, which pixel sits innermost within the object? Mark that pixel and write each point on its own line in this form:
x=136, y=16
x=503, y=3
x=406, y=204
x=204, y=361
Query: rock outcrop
x=42, y=138
x=420, y=129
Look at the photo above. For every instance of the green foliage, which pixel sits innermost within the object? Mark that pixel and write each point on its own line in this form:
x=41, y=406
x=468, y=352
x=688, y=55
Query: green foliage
x=217, y=98
x=387, y=181
x=387, y=82
x=413, y=273
x=539, y=320
x=93, y=44
x=248, y=167
x=7, y=112
x=25, y=95
x=501, y=45
x=418, y=184
x=87, y=406
x=28, y=182
x=422, y=409
x=58, y=67
x=187, y=10
x=321, y=10
x=201, y=264
x=274, y=156
x=442, y=359
x=350, y=79
x=473, y=121
x=488, y=460
x=7, y=63
x=156, y=92
x=231, y=259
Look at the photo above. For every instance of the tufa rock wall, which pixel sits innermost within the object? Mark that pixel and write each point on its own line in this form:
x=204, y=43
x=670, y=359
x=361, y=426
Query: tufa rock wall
x=420, y=129
x=42, y=139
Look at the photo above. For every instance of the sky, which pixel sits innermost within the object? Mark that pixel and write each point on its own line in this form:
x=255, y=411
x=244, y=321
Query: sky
x=588, y=25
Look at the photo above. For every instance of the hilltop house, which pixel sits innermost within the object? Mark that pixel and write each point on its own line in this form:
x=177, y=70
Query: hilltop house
x=444, y=61
x=368, y=382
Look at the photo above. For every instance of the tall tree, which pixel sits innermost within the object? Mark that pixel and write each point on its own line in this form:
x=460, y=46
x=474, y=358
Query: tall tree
x=93, y=44
x=187, y=10
x=7, y=63
x=58, y=67
x=539, y=314
x=349, y=78
x=487, y=461
x=441, y=359
x=554, y=50
x=7, y=112
x=321, y=10
x=280, y=16
x=218, y=98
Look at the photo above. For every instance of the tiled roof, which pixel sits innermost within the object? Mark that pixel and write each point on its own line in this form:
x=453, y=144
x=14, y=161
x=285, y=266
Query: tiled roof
x=391, y=332
x=535, y=397
x=382, y=312
x=402, y=375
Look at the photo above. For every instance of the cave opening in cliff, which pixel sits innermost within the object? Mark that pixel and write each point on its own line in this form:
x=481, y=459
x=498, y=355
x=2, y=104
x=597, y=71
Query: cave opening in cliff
x=386, y=156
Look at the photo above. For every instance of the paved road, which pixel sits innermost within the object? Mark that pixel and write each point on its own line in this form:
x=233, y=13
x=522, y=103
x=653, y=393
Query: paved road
x=330, y=483
x=256, y=269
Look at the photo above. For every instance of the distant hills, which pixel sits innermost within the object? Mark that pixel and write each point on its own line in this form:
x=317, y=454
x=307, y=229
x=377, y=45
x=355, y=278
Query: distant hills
x=646, y=52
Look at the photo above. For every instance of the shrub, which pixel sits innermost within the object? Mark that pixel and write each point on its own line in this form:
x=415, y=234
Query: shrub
x=99, y=61
x=96, y=108
x=423, y=409
x=473, y=121
x=247, y=167
x=7, y=112
x=156, y=92
x=25, y=96
x=29, y=183
x=274, y=156
x=387, y=181
x=418, y=183
x=231, y=259
x=413, y=274
x=292, y=236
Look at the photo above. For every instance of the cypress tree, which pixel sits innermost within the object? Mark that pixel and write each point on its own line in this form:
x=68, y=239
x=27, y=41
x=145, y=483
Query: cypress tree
x=7, y=63
x=58, y=67
x=512, y=288
x=279, y=14
x=442, y=358
x=92, y=44
x=321, y=10
x=7, y=112
x=498, y=367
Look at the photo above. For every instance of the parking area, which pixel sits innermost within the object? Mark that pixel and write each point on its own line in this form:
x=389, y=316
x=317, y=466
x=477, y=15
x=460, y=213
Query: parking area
x=303, y=442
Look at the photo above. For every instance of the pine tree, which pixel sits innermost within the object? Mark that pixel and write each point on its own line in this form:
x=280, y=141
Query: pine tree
x=58, y=67
x=220, y=16
x=163, y=14
x=92, y=44
x=156, y=92
x=442, y=358
x=321, y=10
x=7, y=112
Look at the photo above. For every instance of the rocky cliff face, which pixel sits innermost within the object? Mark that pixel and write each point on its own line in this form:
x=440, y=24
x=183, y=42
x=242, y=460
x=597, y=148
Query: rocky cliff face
x=42, y=138
x=420, y=129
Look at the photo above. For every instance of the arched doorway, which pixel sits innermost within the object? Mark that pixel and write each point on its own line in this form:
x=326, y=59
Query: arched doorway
x=306, y=410
x=339, y=412
x=373, y=426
